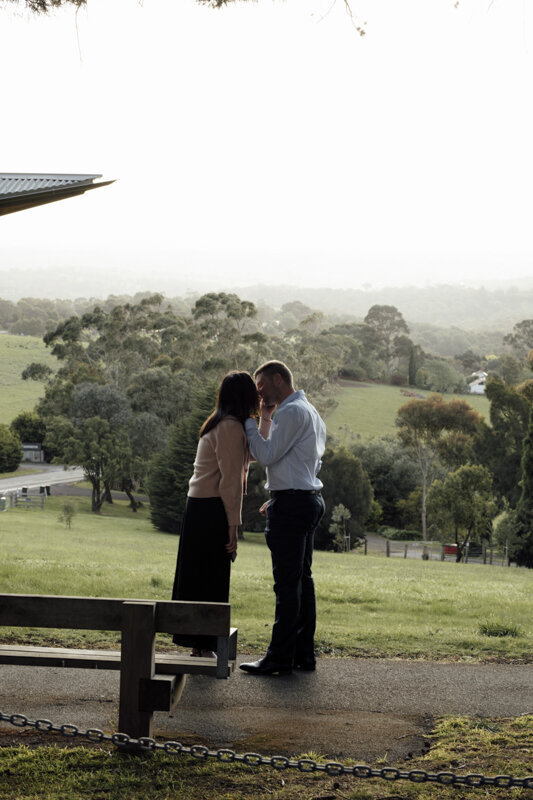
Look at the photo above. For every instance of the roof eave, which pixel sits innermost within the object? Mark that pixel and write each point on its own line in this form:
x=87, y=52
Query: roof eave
x=18, y=202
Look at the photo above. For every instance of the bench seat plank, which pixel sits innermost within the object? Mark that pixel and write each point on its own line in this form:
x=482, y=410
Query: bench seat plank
x=105, y=614
x=165, y=663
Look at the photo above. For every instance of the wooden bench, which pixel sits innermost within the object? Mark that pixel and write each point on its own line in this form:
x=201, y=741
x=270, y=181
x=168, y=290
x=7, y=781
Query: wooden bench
x=149, y=681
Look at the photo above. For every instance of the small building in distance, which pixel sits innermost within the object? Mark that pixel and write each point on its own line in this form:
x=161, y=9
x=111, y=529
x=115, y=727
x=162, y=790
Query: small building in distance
x=32, y=452
x=477, y=385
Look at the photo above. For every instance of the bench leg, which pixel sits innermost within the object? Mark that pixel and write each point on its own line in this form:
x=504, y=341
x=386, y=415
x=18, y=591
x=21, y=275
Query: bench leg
x=137, y=661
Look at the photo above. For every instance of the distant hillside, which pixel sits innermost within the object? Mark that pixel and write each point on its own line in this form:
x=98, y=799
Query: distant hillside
x=368, y=410
x=497, y=306
x=16, y=395
x=442, y=306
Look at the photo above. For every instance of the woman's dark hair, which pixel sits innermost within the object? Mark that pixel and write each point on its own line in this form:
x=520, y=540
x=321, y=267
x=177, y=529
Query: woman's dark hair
x=237, y=396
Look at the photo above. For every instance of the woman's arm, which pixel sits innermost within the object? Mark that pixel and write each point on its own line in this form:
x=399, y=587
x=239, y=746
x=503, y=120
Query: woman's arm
x=231, y=546
x=231, y=454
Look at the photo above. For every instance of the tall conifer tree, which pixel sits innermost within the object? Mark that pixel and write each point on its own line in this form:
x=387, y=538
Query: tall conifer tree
x=522, y=548
x=172, y=469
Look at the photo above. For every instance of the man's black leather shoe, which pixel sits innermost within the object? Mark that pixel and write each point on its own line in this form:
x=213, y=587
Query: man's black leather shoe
x=265, y=666
x=305, y=666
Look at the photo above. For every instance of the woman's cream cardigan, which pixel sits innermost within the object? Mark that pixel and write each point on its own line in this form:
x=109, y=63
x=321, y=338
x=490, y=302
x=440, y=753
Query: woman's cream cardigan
x=221, y=467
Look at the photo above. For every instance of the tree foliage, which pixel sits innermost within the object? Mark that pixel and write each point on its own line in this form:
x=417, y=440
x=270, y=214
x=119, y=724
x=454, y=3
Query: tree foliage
x=392, y=473
x=172, y=468
x=390, y=332
x=101, y=449
x=498, y=446
x=345, y=483
x=462, y=504
x=522, y=543
x=29, y=427
x=36, y=372
x=45, y=6
x=432, y=431
x=10, y=449
x=520, y=340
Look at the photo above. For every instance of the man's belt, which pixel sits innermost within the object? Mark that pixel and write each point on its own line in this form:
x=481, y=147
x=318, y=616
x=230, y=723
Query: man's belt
x=276, y=492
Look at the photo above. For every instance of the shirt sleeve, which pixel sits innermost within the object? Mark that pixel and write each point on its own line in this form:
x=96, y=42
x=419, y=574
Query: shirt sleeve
x=230, y=451
x=284, y=432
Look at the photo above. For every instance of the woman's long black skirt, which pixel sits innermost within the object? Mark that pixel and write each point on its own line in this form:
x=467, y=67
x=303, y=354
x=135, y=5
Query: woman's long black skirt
x=203, y=567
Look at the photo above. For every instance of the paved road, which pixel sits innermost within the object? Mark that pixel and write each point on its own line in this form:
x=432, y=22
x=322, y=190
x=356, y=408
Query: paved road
x=360, y=708
x=44, y=475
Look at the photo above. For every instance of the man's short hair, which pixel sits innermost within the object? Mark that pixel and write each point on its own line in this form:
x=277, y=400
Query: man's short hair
x=271, y=368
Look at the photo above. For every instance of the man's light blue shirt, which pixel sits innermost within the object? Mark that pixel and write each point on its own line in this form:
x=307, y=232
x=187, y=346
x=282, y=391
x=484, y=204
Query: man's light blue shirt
x=293, y=451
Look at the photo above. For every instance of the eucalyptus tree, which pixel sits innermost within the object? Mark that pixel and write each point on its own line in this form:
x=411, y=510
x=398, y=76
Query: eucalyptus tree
x=434, y=433
x=391, y=334
x=463, y=505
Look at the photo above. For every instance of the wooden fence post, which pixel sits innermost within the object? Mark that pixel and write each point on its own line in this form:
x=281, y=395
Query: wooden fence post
x=137, y=662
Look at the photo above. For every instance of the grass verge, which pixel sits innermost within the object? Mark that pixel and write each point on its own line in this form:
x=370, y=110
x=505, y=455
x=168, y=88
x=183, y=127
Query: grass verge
x=460, y=745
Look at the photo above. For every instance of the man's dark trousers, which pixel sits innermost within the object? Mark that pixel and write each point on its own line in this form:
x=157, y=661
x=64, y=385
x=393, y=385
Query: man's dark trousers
x=291, y=521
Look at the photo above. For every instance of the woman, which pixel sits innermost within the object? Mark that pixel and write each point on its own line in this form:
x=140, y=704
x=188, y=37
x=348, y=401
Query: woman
x=208, y=541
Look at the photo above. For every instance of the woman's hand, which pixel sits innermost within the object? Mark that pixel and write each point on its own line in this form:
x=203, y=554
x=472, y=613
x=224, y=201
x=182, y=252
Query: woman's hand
x=266, y=411
x=231, y=546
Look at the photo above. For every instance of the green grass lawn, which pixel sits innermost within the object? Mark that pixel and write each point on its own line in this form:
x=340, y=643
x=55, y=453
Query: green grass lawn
x=367, y=605
x=370, y=409
x=16, y=395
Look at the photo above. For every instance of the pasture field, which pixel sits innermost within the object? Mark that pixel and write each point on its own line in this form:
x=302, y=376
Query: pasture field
x=16, y=395
x=369, y=409
x=367, y=605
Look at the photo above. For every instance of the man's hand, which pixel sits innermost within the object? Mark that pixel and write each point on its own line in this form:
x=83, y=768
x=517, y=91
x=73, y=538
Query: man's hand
x=263, y=509
x=231, y=546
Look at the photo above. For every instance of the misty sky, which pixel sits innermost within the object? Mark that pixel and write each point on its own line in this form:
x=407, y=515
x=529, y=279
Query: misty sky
x=270, y=142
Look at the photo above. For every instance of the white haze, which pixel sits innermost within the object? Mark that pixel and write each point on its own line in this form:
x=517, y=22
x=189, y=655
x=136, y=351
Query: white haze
x=270, y=143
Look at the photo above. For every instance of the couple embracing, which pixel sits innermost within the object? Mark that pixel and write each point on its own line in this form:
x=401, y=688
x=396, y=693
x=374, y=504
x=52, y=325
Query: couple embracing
x=290, y=445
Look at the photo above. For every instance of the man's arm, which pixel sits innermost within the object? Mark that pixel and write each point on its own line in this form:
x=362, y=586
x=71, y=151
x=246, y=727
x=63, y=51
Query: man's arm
x=284, y=432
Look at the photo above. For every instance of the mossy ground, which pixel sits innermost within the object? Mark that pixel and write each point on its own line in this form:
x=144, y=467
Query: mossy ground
x=460, y=745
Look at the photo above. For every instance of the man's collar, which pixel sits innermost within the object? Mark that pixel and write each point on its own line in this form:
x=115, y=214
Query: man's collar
x=296, y=395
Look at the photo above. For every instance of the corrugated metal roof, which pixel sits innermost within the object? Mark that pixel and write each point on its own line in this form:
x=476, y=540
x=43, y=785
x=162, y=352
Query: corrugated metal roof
x=19, y=190
x=13, y=183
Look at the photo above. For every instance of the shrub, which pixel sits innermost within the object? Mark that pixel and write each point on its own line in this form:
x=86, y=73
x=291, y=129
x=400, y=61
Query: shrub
x=397, y=379
x=10, y=450
x=499, y=629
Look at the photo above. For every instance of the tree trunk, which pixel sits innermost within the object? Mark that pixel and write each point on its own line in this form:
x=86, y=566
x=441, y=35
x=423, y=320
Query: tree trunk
x=424, y=511
x=108, y=498
x=459, y=550
x=128, y=490
x=96, y=497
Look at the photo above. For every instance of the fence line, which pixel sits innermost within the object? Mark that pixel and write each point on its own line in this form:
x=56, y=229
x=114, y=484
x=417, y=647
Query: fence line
x=438, y=551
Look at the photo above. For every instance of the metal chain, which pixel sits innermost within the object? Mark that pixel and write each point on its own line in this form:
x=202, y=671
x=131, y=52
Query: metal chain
x=228, y=756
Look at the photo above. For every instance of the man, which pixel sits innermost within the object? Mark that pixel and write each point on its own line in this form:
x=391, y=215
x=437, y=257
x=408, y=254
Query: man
x=290, y=447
